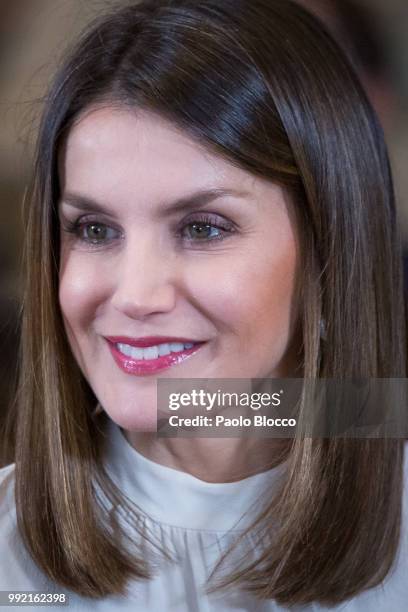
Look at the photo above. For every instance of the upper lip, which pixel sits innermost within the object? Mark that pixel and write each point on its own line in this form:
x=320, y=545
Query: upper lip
x=148, y=340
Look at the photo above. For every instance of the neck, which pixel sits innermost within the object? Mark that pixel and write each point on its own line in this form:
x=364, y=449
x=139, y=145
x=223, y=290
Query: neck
x=212, y=459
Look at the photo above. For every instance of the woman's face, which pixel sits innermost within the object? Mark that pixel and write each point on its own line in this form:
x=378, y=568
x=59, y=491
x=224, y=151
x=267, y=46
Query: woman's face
x=163, y=246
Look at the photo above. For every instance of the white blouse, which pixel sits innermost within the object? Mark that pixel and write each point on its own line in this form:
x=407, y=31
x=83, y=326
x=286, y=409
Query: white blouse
x=196, y=521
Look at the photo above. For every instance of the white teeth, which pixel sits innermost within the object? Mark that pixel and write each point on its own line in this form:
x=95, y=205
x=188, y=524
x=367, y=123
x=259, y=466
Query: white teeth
x=125, y=349
x=136, y=353
x=153, y=352
x=176, y=347
x=164, y=349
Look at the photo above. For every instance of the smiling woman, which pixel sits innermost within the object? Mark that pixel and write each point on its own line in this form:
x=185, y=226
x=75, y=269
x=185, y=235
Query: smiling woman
x=211, y=199
x=141, y=275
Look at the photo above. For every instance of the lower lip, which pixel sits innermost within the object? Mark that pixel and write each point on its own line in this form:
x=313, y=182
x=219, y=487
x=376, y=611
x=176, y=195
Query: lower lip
x=141, y=367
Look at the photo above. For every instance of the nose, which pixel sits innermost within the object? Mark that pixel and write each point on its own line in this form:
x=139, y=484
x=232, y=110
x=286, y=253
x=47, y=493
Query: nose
x=145, y=281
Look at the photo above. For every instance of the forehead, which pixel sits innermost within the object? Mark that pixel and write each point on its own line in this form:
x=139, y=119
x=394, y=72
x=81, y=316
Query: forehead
x=113, y=147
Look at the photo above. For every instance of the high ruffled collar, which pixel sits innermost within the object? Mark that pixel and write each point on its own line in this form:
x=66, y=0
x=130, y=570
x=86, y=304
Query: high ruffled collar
x=176, y=498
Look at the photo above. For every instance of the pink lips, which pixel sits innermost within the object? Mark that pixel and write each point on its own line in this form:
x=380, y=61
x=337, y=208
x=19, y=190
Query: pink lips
x=141, y=367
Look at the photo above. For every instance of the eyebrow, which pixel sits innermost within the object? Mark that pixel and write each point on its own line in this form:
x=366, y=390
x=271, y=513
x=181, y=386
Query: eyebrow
x=186, y=203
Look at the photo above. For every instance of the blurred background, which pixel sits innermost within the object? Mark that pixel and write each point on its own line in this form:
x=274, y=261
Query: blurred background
x=33, y=36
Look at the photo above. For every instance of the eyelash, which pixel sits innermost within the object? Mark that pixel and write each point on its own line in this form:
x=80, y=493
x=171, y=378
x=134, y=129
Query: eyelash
x=205, y=220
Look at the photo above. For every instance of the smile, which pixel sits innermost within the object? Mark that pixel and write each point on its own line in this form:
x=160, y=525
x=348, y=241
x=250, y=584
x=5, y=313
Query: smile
x=142, y=360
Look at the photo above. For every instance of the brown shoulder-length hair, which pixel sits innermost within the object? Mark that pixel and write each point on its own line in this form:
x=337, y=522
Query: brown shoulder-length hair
x=260, y=83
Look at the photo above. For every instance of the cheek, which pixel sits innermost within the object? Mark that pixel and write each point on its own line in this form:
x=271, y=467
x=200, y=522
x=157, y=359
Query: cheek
x=264, y=311
x=251, y=294
x=79, y=291
x=272, y=292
